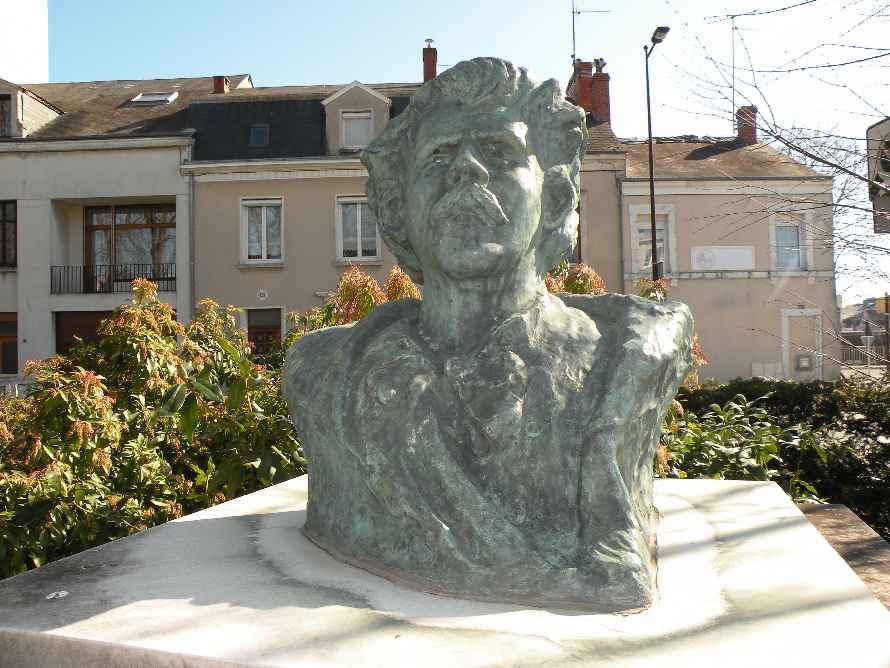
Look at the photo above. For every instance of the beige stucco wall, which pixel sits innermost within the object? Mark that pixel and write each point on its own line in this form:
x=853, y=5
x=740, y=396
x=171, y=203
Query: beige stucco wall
x=34, y=115
x=600, y=218
x=737, y=219
x=309, y=229
x=749, y=322
x=52, y=184
x=740, y=323
x=355, y=99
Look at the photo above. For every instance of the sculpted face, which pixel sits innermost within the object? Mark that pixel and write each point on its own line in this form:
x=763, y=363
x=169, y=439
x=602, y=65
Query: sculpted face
x=473, y=194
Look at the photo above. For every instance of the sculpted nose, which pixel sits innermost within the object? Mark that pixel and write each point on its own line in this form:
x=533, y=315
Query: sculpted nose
x=465, y=169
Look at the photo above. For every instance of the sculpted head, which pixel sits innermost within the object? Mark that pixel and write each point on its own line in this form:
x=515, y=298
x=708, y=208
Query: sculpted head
x=479, y=176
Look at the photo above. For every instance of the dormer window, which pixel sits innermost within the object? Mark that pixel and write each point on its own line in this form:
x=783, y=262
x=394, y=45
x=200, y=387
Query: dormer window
x=355, y=129
x=5, y=116
x=148, y=99
x=259, y=136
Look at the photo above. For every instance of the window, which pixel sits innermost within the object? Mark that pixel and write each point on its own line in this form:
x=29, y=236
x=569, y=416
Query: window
x=787, y=247
x=259, y=136
x=357, y=237
x=787, y=232
x=641, y=241
x=8, y=255
x=261, y=231
x=127, y=242
x=264, y=329
x=355, y=129
x=9, y=354
x=150, y=99
x=5, y=116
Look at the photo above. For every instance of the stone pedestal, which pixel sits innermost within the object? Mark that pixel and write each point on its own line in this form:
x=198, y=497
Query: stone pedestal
x=743, y=579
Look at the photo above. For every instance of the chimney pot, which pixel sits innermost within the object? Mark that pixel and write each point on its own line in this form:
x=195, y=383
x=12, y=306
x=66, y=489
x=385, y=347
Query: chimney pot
x=430, y=58
x=746, y=123
x=221, y=85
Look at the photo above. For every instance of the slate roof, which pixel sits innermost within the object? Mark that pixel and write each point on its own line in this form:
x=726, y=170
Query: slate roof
x=319, y=92
x=294, y=114
x=600, y=137
x=711, y=158
x=102, y=107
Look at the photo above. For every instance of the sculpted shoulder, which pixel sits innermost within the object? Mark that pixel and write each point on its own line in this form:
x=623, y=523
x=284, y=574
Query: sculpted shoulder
x=644, y=339
x=324, y=354
x=636, y=319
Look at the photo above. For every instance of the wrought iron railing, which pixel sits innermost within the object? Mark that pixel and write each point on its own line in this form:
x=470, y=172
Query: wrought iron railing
x=104, y=278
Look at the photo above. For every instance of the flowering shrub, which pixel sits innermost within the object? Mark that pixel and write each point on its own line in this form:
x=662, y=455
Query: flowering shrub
x=155, y=421
x=577, y=279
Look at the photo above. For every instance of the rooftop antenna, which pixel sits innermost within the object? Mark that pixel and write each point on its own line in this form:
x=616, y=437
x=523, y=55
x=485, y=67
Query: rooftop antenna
x=733, y=30
x=578, y=12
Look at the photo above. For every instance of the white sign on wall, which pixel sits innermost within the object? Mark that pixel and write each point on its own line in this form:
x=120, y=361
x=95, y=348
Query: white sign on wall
x=722, y=258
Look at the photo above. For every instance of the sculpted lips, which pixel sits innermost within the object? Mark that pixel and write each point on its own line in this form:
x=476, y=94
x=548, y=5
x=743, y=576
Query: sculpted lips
x=469, y=204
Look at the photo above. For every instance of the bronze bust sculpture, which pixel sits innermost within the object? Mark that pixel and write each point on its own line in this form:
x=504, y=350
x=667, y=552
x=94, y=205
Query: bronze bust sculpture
x=492, y=441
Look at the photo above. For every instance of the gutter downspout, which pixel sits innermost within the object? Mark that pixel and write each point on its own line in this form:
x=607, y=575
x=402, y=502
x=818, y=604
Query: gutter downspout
x=620, y=190
x=192, y=241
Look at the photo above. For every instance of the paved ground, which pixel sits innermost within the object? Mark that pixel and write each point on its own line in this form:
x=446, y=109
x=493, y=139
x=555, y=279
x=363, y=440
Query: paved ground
x=864, y=550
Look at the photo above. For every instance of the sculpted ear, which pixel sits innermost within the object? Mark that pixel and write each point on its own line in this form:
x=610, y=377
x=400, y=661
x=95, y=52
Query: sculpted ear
x=560, y=198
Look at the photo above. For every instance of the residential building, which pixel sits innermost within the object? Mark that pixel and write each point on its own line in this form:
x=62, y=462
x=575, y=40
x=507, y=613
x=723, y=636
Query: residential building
x=264, y=193
x=91, y=196
x=744, y=233
x=279, y=195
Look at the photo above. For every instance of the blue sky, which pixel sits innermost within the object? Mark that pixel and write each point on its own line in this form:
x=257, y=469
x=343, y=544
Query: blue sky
x=283, y=42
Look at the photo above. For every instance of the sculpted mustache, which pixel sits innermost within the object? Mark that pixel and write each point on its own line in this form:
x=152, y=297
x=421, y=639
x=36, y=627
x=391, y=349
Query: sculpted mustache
x=473, y=202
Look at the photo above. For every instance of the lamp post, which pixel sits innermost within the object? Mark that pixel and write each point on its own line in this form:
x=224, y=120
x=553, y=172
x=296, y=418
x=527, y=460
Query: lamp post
x=657, y=38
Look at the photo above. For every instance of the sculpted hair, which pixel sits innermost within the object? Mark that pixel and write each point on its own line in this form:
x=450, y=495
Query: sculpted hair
x=557, y=136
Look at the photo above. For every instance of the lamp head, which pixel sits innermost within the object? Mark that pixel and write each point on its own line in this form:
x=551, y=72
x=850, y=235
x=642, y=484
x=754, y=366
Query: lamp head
x=659, y=34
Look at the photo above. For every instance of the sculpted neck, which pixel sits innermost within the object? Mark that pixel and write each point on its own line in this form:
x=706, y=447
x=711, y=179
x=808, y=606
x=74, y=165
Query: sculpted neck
x=457, y=316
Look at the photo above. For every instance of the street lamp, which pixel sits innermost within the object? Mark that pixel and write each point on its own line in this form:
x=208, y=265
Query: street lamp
x=657, y=38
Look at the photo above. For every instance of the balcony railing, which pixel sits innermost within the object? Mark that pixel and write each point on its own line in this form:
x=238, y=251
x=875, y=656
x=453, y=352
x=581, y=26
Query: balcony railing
x=107, y=278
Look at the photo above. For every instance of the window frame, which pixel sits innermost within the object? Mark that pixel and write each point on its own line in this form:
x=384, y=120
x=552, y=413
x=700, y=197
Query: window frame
x=113, y=227
x=355, y=113
x=339, y=201
x=244, y=204
x=791, y=217
x=3, y=240
x=635, y=211
x=6, y=123
x=259, y=126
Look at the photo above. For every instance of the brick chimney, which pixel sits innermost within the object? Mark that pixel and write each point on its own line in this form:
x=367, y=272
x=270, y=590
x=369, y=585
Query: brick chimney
x=746, y=125
x=430, y=58
x=221, y=85
x=584, y=85
x=600, y=110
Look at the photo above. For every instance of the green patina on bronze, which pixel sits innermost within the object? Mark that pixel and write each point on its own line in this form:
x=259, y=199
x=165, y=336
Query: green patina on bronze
x=492, y=441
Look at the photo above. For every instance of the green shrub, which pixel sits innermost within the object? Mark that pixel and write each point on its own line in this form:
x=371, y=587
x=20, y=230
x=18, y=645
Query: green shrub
x=845, y=435
x=787, y=401
x=737, y=441
x=155, y=421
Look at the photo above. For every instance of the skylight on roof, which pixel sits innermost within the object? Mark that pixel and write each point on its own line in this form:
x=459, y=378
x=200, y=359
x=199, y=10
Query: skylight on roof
x=155, y=98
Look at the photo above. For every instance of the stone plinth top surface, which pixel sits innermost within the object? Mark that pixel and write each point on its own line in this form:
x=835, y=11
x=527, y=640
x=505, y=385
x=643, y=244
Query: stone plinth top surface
x=743, y=579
